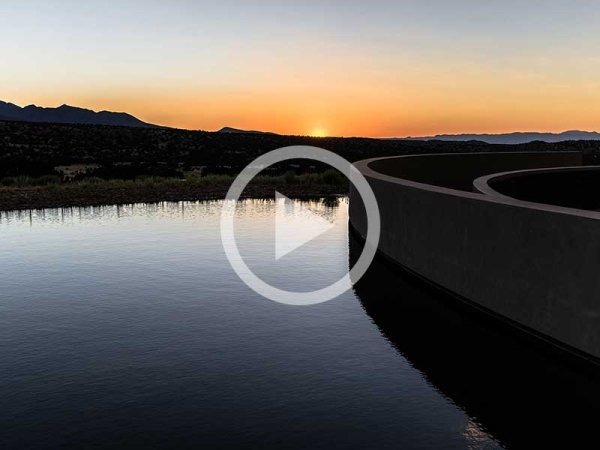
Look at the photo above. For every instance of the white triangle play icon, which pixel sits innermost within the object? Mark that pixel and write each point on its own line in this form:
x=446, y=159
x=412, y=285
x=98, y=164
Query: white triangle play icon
x=295, y=225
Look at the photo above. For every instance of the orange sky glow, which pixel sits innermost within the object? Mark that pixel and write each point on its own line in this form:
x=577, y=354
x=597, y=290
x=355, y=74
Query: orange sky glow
x=399, y=69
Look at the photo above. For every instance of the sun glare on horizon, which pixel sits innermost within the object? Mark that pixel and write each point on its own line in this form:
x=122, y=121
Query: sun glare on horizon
x=318, y=132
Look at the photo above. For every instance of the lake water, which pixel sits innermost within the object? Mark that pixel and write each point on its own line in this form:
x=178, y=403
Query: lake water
x=126, y=327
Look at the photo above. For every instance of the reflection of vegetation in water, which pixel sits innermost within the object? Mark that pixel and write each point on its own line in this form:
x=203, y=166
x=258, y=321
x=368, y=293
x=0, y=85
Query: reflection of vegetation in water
x=49, y=191
x=331, y=202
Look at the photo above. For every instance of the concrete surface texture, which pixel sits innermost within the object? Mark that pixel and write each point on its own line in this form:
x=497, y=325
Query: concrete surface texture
x=534, y=264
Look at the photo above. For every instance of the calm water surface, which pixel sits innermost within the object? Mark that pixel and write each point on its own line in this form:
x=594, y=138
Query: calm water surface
x=126, y=327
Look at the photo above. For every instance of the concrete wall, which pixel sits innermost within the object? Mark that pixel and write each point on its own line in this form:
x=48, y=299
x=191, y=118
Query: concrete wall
x=537, y=265
x=571, y=187
x=458, y=171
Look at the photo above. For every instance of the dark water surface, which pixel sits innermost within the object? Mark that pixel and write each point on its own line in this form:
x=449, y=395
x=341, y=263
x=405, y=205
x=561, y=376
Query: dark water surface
x=125, y=327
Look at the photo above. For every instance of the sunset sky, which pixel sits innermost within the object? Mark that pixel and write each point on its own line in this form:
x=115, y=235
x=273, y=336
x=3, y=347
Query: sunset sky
x=348, y=68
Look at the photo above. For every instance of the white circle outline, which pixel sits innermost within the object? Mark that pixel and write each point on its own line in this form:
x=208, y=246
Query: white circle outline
x=232, y=251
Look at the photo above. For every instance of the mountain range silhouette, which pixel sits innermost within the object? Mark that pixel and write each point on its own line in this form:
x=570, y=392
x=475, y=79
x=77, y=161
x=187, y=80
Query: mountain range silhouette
x=69, y=114
x=514, y=138
x=231, y=130
x=74, y=115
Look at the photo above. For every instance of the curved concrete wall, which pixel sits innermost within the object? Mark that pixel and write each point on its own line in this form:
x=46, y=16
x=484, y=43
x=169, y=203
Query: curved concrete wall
x=534, y=264
x=457, y=171
x=571, y=187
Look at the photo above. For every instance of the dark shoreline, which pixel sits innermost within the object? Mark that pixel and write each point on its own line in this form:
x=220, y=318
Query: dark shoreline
x=42, y=197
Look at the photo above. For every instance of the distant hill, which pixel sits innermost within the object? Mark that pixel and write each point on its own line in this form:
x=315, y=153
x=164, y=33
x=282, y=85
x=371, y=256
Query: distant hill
x=238, y=131
x=514, y=138
x=69, y=114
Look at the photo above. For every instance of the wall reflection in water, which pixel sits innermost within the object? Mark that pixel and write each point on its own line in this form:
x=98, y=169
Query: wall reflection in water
x=521, y=393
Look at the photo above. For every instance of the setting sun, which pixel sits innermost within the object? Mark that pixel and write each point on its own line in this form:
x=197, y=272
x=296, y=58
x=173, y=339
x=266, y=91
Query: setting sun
x=318, y=132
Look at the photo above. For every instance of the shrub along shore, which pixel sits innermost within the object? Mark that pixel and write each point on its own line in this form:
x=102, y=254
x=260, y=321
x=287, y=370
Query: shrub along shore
x=44, y=192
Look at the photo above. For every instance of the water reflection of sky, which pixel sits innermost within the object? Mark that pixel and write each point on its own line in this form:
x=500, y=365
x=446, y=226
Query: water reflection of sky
x=121, y=322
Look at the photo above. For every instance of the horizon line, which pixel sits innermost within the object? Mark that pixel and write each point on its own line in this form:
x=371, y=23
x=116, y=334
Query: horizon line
x=242, y=129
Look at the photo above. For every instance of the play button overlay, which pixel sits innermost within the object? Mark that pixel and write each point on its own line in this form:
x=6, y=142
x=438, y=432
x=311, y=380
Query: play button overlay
x=296, y=225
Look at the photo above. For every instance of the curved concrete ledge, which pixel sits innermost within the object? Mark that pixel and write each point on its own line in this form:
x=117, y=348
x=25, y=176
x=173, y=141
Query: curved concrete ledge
x=533, y=264
x=571, y=187
x=457, y=171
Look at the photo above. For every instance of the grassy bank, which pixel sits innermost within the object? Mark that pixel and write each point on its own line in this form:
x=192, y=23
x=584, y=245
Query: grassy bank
x=43, y=192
